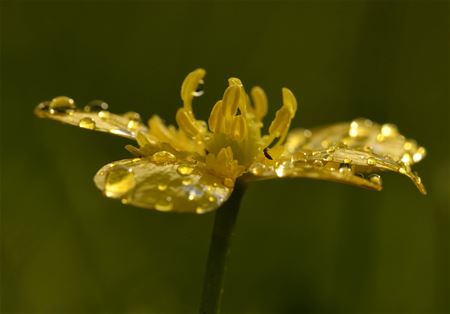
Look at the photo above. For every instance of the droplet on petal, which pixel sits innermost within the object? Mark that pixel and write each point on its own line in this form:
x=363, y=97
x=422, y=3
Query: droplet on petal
x=165, y=204
x=103, y=114
x=375, y=178
x=119, y=181
x=371, y=161
x=163, y=157
x=61, y=104
x=96, y=106
x=87, y=123
x=345, y=168
x=185, y=170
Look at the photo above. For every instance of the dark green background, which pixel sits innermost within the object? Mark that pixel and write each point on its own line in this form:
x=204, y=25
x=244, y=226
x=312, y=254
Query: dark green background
x=301, y=246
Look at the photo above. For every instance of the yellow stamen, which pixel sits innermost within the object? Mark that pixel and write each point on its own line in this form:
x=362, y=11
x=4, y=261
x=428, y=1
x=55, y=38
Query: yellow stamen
x=189, y=86
x=259, y=102
x=187, y=122
x=239, y=128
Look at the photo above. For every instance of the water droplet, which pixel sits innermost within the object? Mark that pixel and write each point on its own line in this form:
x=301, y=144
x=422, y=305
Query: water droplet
x=318, y=163
x=132, y=115
x=331, y=150
x=345, y=169
x=257, y=169
x=419, y=154
x=61, y=104
x=406, y=158
x=103, y=114
x=44, y=106
x=164, y=204
x=186, y=181
x=162, y=187
x=228, y=182
x=96, y=106
x=212, y=199
x=327, y=157
x=389, y=130
x=200, y=210
x=185, y=170
x=371, y=161
x=402, y=170
x=281, y=170
x=119, y=181
x=347, y=161
x=87, y=123
x=199, y=91
x=375, y=178
x=163, y=157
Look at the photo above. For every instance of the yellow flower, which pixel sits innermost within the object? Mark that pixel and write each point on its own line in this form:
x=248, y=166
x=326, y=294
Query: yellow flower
x=194, y=167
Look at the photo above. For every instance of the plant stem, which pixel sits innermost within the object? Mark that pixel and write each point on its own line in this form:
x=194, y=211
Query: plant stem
x=219, y=248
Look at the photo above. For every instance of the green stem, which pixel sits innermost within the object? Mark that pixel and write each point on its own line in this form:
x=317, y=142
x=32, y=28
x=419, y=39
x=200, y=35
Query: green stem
x=219, y=248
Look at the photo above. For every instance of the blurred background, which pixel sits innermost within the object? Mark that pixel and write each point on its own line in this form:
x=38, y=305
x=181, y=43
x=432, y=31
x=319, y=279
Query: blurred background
x=300, y=246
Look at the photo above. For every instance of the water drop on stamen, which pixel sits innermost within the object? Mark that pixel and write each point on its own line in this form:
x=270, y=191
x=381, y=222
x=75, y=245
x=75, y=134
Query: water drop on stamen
x=199, y=91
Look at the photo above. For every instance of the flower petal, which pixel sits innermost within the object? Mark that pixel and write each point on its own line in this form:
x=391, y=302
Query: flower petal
x=164, y=183
x=351, y=153
x=91, y=117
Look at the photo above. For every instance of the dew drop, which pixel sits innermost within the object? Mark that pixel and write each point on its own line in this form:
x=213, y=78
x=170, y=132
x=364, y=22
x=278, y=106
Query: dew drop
x=318, y=163
x=388, y=130
x=164, y=204
x=185, y=170
x=371, y=161
x=212, y=199
x=402, y=170
x=163, y=157
x=199, y=91
x=406, y=158
x=87, y=123
x=96, y=106
x=200, y=210
x=347, y=161
x=345, y=168
x=186, y=181
x=119, y=181
x=228, y=182
x=103, y=114
x=375, y=178
x=257, y=169
x=61, y=104
x=162, y=187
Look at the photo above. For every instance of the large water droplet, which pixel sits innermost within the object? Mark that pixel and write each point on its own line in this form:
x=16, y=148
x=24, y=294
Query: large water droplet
x=61, y=104
x=96, y=106
x=375, y=178
x=119, y=181
x=87, y=123
x=164, y=204
x=185, y=170
x=163, y=157
x=199, y=91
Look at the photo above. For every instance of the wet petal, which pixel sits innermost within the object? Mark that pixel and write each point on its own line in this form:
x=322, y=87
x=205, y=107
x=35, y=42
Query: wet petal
x=163, y=182
x=360, y=134
x=352, y=153
x=93, y=116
